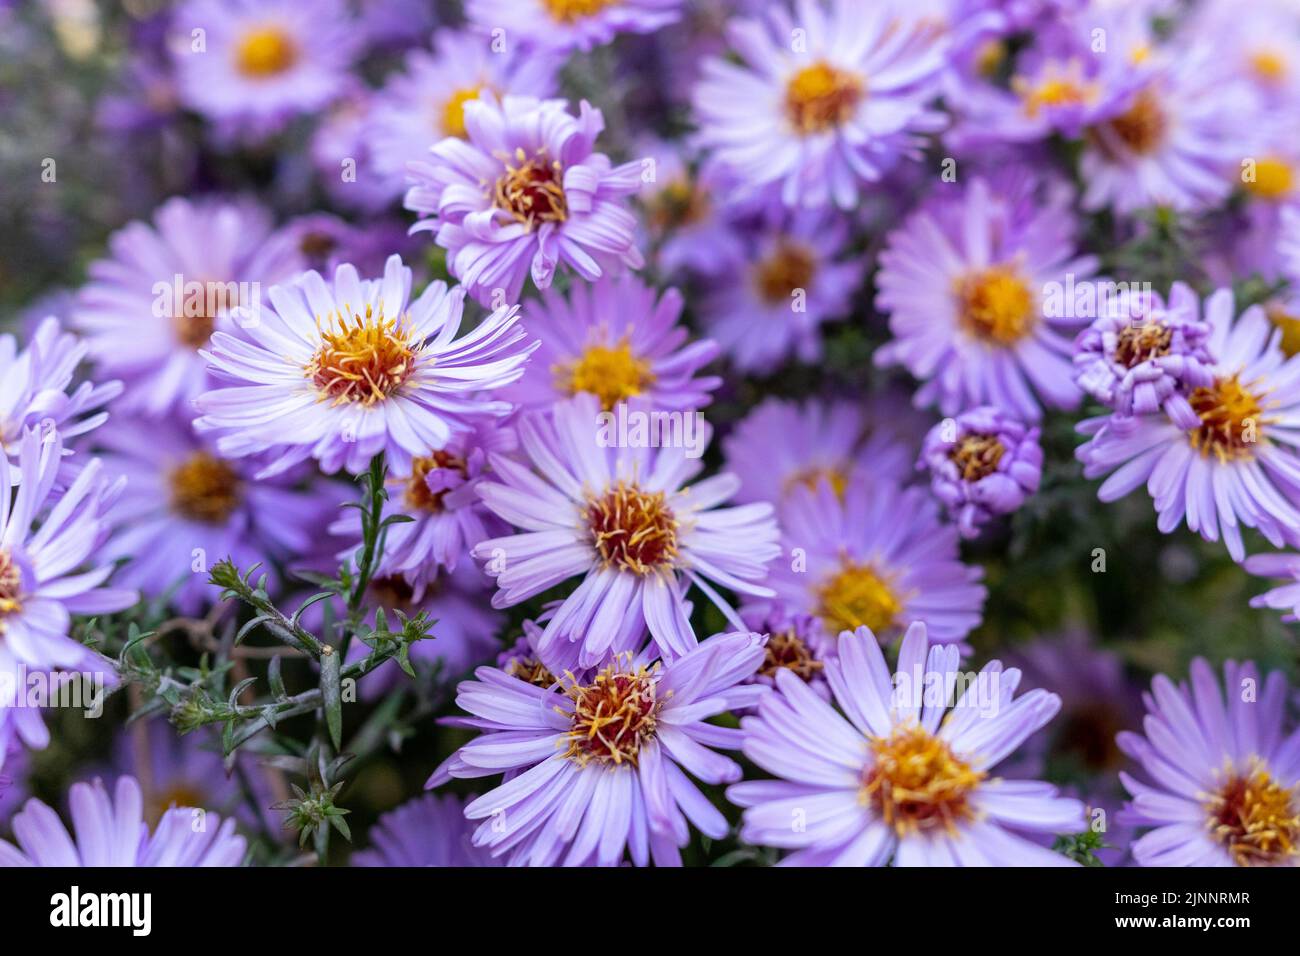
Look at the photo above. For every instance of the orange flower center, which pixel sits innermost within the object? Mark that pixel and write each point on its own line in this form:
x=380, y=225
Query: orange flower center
x=821, y=97
x=977, y=456
x=363, y=358
x=1230, y=419
x=613, y=374
x=567, y=11
x=1141, y=343
x=205, y=489
x=418, y=497
x=11, y=586
x=1256, y=818
x=917, y=783
x=633, y=530
x=612, y=716
x=266, y=52
x=532, y=191
x=790, y=267
x=786, y=650
x=996, y=305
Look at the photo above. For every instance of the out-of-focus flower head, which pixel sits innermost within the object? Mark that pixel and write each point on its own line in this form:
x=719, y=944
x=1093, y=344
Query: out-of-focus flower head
x=565, y=25
x=430, y=830
x=827, y=96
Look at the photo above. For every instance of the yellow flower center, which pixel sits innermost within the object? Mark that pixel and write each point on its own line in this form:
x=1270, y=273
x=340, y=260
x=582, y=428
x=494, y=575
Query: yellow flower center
x=612, y=716
x=567, y=11
x=613, y=374
x=1140, y=343
x=633, y=530
x=836, y=477
x=1273, y=178
x=791, y=266
x=179, y=795
x=996, y=305
x=11, y=587
x=532, y=671
x=362, y=358
x=990, y=57
x=857, y=595
x=821, y=97
x=1269, y=65
x=204, y=488
x=418, y=497
x=532, y=191
x=1064, y=85
x=1256, y=818
x=1290, y=326
x=977, y=456
x=785, y=650
x=265, y=52
x=1230, y=419
x=1142, y=127
x=917, y=783
x=453, y=111
x=678, y=204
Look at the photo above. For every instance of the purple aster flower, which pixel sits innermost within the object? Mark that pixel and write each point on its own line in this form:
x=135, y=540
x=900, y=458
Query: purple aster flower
x=427, y=831
x=1238, y=466
x=188, y=771
x=1220, y=775
x=34, y=389
x=876, y=556
x=263, y=62
x=795, y=276
x=564, y=25
x=983, y=463
x=524, y=192
x=45, y=547
x=344, y=371
x=1163, y=144
x=782, y=445
x=685, y=226
x=631, y=520
x=155, y=301
x=900, y=772
x=617, y=340
x=111, y=831
x=1141, y=356
x=795, y=642
x=440, y=496
x=425, y=102
x=966, y=281
x=812, y=121
x=595, y=765
x=344, y=156
x=184, y=508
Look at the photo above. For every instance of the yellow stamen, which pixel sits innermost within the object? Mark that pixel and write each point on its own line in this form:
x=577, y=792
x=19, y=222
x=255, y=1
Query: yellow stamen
x=1273, y=179
x=786, y=650
x=453, y=111
x=837, y=477
x=1255, y=817
x=789, y=268
x=996, y=305
x=612, y=716
x=977, y=456
x=820, y=97
x=567, y=11
x=1141, y=128
x=612, y=373
x=857, y=595
x=266, y=52
x=532, y=191
x=418, y=497
x=11, y=587
x=917, y=783
x=1230, y=420
x=1269, y=66
x=1288, y=323
x=205, y=489
x=633, y=530
x=364, y=358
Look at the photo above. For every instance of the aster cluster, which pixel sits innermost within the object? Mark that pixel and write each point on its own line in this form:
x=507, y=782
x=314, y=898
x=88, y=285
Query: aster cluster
x=668, y=432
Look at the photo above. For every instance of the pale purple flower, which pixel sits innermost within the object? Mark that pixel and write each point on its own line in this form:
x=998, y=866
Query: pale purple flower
x=111, y=831
x=426, y=831
x=616, y=339
x=582, y=790
x=795, y=276
x=1220, y=774
x=343, y=371
x=1239, y=466
x=524, y=193
x=1142, y=356
x=878, y=556
x=683, y=211
x=631, y=520
x=48, y=549
x=36, y=392
x=811, y=122
x=165, y=286
x=262, y=62
x=983, y=463
x=967, y=283
x=899, y=772
x=782, y=445
x=565, y=25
